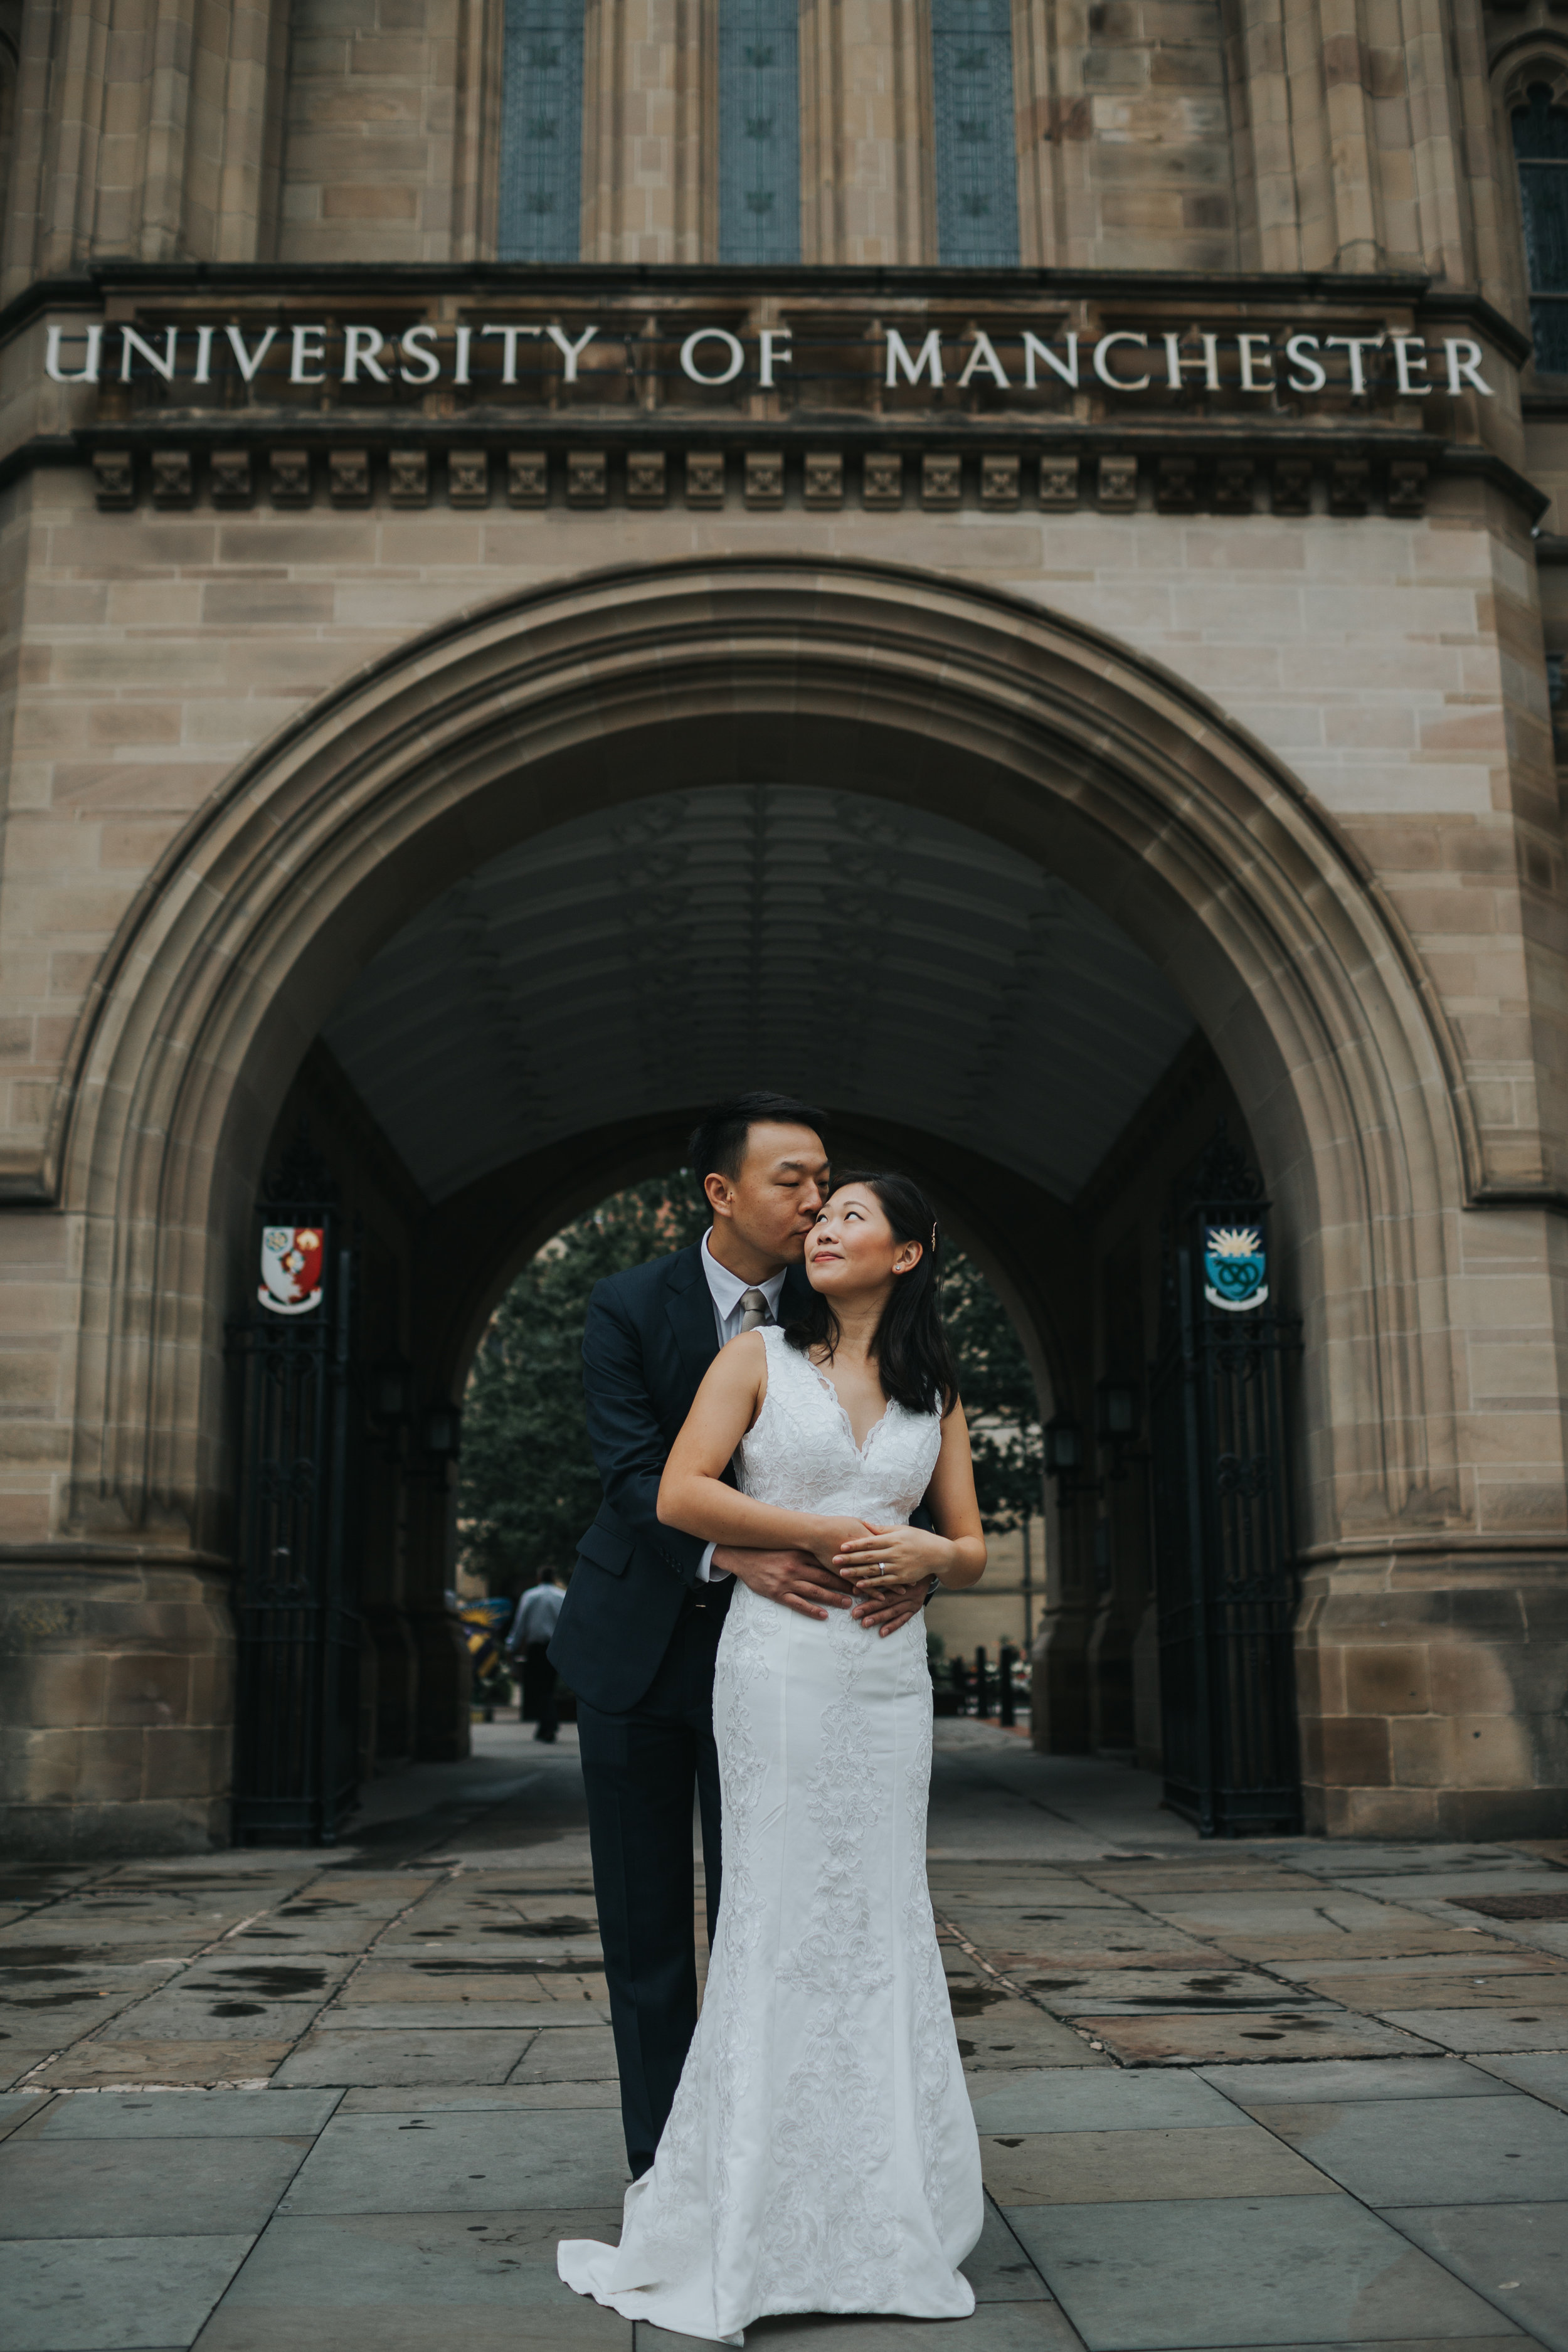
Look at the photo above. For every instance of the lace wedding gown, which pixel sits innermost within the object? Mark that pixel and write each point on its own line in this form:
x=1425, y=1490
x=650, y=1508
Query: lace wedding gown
x=820, y=2154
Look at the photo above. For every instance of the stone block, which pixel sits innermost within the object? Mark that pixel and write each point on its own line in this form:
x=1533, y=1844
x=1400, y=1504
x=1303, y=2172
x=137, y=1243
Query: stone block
x=704, y=478
x=173, y=478
x=289, y=477
x=1354, y=1752
x=408, y=478
x=648, y=482
x=468, y=478
x=999, y=481
x=942, y=480
x=1058, y=484
x=1392, y=1681
x=1116, y=488
x=824, y=478
x=762, y=481
x=882, y=479
x=348, y=478
x=114, y=480
x=144, y=1688
x=587, y=478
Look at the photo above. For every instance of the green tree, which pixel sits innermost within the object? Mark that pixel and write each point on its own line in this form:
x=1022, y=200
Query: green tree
x=1001, y=1404
x=529, y=1485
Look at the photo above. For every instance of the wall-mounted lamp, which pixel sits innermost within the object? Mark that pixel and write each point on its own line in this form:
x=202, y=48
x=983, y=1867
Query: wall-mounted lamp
x=392, y=1389
x=1063, y=1447
x=1115, y=1411
x=442, y=1432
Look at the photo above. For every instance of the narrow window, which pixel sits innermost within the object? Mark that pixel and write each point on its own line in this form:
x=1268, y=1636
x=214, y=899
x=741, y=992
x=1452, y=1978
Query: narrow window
x=759, y=130
x=1540, y=144
x=976, y=151
x=541, y=132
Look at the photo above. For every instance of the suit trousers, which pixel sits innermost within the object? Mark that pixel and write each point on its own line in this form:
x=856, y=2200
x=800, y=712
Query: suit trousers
x=641, y=1771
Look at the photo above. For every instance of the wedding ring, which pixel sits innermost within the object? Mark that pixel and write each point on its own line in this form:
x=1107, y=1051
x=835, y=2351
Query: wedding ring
x=881, y=1568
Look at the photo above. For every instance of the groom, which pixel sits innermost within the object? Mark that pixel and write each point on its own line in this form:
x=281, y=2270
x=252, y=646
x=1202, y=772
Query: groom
x=639, y=1628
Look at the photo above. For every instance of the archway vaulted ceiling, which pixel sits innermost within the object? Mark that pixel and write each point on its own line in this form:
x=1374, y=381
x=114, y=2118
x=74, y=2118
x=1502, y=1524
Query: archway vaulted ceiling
x=877, y=960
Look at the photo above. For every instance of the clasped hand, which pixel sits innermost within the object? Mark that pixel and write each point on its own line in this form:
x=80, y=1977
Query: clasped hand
x=886, y=1560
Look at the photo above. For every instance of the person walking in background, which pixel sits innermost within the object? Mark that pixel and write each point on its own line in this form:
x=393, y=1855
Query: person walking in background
x=530, y=1638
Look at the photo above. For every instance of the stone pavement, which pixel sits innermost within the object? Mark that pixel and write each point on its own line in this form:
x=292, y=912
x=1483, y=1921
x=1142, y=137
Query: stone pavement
x=1284, y=2094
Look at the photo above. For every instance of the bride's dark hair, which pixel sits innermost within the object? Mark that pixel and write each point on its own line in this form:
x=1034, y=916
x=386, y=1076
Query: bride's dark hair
x=911, y=1347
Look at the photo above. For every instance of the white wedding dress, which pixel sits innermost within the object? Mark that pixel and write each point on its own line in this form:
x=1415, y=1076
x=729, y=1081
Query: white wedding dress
x=821, y=2154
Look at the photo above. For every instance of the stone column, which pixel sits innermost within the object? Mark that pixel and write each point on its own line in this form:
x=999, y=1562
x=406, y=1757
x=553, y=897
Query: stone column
x=868, y=172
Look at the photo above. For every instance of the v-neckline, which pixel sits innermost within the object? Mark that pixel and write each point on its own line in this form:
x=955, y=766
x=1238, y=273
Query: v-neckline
x=859, y=1444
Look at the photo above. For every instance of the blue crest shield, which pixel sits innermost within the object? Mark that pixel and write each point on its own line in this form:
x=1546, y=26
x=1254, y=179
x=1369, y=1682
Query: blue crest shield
x=1234, y=1267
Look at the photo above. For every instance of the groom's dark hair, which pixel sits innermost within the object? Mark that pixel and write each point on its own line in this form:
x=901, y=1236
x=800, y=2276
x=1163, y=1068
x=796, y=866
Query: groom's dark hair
x=717, y=1145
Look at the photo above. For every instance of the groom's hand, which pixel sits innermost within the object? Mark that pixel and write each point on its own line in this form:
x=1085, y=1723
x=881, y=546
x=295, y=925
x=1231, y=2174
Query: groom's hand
x=793, y=1578
x=885, y=1616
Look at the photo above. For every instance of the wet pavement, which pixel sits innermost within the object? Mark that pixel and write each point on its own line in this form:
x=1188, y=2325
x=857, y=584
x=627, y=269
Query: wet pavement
x=1283, y=2093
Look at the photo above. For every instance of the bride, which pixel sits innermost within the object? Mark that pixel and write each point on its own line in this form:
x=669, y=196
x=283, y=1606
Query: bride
x=820, y=2154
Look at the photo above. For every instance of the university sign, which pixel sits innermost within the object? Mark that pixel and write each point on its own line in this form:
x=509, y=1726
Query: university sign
x=501, y=355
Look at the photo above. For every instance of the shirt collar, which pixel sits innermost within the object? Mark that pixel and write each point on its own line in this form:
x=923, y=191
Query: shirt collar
x=727, y=1288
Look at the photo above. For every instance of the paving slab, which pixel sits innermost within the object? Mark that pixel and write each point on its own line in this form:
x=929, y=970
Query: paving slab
x=1185, y=2274
x=1542, y=2073
x=103, y=2065
x=443, y=2159
x=993, y=2327
x=212, y=2188
x=570, y=2055
x=112, y=2295
x=468, y=1980
x=1373, y=1857
x=1489, y=1878
x=1504, y=2150
x=1137, y=1990
x=1460, y=1955
x=1013, y=2033
x=20, y=2060
x=1518, y=2028
x=391, y=2099
x=1132, y=2167
x=1508, y=1986
x=1345, y=2079
x=205, y=2017
x=183, y=2115
x=309, y=2270
x=1515, y=2256
x=1055, y=2099
x=349, y=2058
x=1289, y=1952
x=1178, y=2041
x=439, y=2016
x=998, y=2270
x=19, y=2107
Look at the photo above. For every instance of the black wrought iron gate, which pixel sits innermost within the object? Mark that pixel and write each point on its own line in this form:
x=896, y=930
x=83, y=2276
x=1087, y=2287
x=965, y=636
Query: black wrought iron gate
x=295, y=1596
x=1223, y=1551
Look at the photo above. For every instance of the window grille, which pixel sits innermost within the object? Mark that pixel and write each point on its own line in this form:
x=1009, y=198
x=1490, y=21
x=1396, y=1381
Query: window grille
x=1540, y=144
x=977, y=153
x=759, y=130
x=541, y=132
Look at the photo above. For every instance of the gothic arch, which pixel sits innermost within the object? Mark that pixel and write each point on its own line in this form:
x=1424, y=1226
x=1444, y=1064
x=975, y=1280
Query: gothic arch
x=1038, y=730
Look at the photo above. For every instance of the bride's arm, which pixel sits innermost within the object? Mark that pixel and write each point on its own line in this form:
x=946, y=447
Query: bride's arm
x=692, y=1494
x=955, y=1553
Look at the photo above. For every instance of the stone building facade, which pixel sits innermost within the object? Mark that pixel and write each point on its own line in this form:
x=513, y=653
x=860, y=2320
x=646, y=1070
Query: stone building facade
x=1000, y=563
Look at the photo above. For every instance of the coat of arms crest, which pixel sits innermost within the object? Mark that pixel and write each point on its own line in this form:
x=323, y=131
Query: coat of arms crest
x=1234, y=1264
x=291, y=1268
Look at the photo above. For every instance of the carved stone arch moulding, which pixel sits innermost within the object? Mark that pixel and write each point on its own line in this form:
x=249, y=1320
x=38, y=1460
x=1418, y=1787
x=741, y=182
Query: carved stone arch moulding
x=1038, y=730
x=1517, y=74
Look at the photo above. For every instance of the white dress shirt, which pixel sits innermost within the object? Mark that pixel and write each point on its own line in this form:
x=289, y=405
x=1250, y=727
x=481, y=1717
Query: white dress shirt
x=727, y=1290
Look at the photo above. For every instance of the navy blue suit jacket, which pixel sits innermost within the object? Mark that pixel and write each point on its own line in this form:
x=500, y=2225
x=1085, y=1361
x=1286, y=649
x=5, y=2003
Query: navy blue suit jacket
x=650, y=1336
